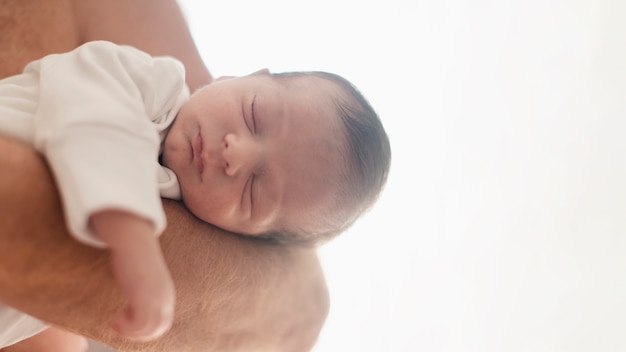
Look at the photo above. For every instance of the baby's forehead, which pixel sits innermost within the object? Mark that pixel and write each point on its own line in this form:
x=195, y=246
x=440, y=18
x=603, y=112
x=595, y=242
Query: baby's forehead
x=306, y=81
x=321, y=95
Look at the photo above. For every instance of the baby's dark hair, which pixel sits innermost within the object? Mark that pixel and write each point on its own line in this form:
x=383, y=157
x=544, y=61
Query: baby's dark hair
x=367, y=158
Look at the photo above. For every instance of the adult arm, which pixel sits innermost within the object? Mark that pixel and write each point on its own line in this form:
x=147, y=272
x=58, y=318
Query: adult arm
x=154, y=26
x=233, y=294
x=31, y=29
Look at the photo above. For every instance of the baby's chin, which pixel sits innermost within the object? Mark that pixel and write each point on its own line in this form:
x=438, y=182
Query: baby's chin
x=173, y=159
x=166, y=157
x=175, y=147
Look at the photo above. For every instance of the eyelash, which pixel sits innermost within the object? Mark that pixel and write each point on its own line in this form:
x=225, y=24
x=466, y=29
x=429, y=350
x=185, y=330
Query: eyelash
x=253, y=115
x=251, y=193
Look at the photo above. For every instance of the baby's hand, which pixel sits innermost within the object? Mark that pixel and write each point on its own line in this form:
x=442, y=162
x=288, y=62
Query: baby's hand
x=147, y=284
x=140, y=269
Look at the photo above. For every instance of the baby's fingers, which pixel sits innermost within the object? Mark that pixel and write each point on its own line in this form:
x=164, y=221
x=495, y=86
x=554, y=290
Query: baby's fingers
x=141, y=325
x=147, y=284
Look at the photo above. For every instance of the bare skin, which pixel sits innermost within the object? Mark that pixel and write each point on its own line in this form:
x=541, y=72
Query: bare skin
x=141, y=272
x=233, y=294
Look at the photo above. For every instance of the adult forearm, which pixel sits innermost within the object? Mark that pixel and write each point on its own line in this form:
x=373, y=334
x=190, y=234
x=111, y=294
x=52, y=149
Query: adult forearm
x=232, y=293
x=35, y=246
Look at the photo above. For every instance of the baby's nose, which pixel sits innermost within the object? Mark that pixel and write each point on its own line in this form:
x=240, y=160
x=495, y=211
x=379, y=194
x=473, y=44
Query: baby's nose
x=239, y=154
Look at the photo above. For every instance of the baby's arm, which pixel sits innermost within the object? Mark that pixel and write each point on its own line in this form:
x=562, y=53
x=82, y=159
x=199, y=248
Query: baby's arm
x=140, y=269
x=98, y=136
x=245, y=296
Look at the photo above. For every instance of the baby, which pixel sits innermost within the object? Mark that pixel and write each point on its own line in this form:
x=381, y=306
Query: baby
x=291, y=158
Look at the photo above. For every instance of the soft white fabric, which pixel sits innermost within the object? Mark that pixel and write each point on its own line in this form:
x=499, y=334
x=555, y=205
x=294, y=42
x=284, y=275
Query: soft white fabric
x=16, y=326
x=99, y=114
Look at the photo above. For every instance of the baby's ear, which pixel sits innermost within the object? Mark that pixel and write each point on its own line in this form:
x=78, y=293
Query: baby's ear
x=263, y=71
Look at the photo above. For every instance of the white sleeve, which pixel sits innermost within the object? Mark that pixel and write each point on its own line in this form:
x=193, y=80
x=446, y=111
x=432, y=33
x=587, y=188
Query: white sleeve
x=94, y=125
x=17, y=326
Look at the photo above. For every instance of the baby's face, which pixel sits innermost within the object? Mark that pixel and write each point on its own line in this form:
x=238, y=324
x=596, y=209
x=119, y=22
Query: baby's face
x=254, y=155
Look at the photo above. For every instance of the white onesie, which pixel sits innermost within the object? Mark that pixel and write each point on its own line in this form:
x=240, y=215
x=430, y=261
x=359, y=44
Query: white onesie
x=99, y=114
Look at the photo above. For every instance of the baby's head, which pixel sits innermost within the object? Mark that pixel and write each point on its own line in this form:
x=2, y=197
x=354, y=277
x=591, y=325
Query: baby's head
x=293, y=157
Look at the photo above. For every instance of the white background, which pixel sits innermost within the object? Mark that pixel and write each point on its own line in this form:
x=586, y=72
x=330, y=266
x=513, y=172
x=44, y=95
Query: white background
x=502, y=225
